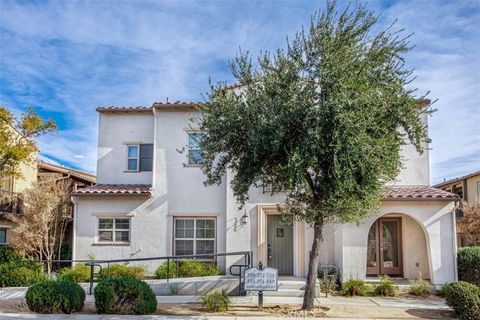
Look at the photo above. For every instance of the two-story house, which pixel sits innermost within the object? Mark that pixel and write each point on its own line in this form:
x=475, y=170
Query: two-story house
x=150, y=201
x=467, y=188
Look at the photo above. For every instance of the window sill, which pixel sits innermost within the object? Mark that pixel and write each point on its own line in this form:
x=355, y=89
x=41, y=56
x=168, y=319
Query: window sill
x=111, y=244
x=131, y=171
x=192, y=165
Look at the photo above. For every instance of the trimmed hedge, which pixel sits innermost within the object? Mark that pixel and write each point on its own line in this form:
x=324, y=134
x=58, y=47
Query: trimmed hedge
x=50, y=296
x=17, y=273
x=187, y=268
x=468, y=259
x=121, y=270
x=124, y=296
x=79, y=273
x=464, y=298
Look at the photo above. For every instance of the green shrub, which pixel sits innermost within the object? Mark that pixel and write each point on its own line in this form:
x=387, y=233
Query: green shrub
x=161, y=272
x=216, y=300
x=355, y=287
x=50, y=296
x=385, y=287
x=79, y=273
x=8, y=255
x=20, y=274
x=121, y=270
x=124, y=296
x=464, y=298
x=419, y=287
x=468, y=260
x=187, y=268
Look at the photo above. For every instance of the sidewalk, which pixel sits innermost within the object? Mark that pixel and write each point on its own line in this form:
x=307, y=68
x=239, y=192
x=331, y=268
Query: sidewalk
x=401, y=302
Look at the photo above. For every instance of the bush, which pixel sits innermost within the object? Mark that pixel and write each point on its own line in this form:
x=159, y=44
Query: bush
x=386, y=287
x=7, y=255
x=187, y=268
x=161, y=272
x=464, y=298
x=121, y=270
x=79, y=273
x=124, y=296
x=216, y=300
x=355, y=287
x=50, y=296
x=20, y=274
x=468, y=260
x=419, y=287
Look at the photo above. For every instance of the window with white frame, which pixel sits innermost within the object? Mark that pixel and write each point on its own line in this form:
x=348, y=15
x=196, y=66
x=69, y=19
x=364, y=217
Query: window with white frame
x=140, y=157
x=3, y=236
x=194, y=236
x=195, y=155
x=114, y=230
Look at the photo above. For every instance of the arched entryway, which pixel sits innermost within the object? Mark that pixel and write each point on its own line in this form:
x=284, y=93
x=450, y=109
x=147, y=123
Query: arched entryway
x=397, y=246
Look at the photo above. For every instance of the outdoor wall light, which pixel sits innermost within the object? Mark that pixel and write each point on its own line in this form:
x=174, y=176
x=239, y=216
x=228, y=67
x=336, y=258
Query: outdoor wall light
x=245, y=218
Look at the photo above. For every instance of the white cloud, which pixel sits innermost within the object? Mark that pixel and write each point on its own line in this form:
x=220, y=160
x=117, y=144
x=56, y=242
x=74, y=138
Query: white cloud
x=70, y=57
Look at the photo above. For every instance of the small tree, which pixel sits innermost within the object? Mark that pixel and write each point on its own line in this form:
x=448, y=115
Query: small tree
x=16, y=139
x=47, y=211
x=324, y=120
x=470, y=224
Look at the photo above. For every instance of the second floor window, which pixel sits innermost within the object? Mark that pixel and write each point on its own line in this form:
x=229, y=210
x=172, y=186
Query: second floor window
x=195, y=155
x=139, y=157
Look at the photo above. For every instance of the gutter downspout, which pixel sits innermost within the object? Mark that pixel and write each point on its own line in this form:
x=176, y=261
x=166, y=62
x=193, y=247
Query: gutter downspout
x=74, y=236
x=454, y=230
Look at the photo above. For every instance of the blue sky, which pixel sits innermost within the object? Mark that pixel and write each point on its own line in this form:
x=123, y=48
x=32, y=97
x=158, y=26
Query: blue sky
x=65, y=58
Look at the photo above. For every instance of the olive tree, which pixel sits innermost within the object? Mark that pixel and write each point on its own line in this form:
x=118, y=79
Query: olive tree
x=322, y=120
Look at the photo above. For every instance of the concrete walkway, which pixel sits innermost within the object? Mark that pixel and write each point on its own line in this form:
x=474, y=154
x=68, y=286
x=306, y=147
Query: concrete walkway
x=401, y=302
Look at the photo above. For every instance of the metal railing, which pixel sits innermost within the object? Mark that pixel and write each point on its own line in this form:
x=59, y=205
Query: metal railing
x=10, y=202
x=93, y=264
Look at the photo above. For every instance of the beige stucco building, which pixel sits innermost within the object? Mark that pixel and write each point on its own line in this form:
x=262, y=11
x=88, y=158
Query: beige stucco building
x=150, y=201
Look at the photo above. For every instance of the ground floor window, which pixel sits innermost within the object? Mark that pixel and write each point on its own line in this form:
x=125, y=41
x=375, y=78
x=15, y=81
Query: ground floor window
x=194, y=236
x=3, y=236
x=114, y=230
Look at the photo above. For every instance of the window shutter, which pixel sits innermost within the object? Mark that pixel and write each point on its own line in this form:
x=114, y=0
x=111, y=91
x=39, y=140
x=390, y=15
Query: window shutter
x=146, y=157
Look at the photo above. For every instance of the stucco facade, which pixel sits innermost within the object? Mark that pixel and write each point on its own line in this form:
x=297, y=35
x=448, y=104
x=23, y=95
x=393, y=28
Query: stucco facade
x=176, y=192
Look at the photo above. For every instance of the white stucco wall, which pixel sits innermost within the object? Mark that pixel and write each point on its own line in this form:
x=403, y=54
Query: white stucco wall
x=434, y=217
x=115, y=131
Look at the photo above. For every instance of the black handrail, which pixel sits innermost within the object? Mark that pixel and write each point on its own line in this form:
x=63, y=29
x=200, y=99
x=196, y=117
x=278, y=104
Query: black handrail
x=96, y=263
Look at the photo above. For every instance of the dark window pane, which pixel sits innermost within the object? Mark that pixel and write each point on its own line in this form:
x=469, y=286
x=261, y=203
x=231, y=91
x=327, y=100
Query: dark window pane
x=3, y=236
x=105, y=236
x=105, y=223
x=205, y=246
x=205, y=228
x=146, y=157
x=133, y=151
x=183, y=247
x=132, y=164
x=123, y=224
x=122, y=236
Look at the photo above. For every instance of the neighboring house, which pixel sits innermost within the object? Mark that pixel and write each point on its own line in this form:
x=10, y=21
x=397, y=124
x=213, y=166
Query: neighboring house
x=11, y=191
x=467, y=188
x=150, y=201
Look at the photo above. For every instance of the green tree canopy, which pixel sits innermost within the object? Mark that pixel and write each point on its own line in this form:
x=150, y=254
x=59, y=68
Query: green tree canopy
x=323, y=119
x=17, y=136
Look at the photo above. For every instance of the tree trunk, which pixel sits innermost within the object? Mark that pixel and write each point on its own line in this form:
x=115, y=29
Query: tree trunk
x=309, y=297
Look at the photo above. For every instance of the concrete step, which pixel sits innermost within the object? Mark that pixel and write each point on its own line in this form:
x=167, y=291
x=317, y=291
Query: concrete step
x=291, y=284
x=280, y=293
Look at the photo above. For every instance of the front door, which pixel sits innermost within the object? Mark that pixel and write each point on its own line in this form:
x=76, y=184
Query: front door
x=384, y=250
x=279, y=245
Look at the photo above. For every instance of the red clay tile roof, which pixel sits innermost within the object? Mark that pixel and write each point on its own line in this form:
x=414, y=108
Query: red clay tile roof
x=62, y=169
x=114, y=189
x=417, y=193
x=447, y=182
x=113, y=109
